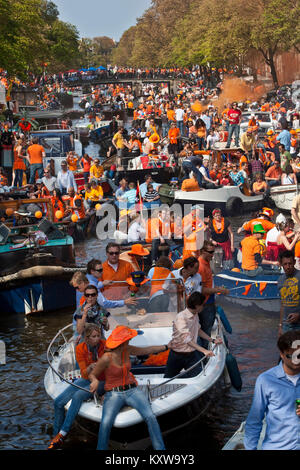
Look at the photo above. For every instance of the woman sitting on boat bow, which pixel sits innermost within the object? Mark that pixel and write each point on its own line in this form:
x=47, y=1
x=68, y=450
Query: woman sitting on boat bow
x=121, y=386
x=87, y=353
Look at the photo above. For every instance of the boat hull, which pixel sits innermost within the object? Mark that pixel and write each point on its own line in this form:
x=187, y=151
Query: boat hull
x=229, y=199
x=283, y=196
x=37, y=295
x=136, y=437
x=265, y=298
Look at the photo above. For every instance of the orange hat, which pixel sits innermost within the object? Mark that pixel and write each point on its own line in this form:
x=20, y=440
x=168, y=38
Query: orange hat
x=270, y=132
x=293, y=131
x=138, y=250
x=266, y=211
x=119, y=335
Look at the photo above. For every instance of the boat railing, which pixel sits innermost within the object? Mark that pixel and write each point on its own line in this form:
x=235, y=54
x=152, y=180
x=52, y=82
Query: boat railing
x=54, y=127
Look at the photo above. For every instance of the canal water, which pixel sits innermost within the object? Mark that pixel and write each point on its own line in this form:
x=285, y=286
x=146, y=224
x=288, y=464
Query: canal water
x=26, y=412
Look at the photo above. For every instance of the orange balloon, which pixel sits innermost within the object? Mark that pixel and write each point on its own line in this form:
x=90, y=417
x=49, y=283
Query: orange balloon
x=74, y=218
x=58, y=214
x=38, y=215
x=9, y=211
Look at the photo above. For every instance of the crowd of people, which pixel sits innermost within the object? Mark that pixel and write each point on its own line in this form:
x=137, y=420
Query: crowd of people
x=181, y=131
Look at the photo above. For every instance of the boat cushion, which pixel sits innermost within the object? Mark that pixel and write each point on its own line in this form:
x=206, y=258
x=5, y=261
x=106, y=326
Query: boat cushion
x=141, y=369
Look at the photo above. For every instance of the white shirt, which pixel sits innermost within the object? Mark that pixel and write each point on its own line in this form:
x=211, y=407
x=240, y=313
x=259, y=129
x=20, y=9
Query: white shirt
x=191, y=284
x=179, y=113
x=136, y=232
x=272, y=235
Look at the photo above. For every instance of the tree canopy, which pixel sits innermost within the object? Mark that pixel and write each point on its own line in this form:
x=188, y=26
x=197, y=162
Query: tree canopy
x=182, y=33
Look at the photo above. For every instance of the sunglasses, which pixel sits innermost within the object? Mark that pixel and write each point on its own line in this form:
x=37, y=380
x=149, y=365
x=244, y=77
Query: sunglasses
x=210, y=251
x=99, y=270
x=116, y=253
x=290, y=356
x=91, y=295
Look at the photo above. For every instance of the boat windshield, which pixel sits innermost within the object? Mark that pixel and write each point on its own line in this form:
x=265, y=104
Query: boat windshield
x=262, y=117
x=149, y=304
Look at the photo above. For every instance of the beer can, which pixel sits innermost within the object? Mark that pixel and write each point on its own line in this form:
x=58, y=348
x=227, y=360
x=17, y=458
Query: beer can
x=297, y=402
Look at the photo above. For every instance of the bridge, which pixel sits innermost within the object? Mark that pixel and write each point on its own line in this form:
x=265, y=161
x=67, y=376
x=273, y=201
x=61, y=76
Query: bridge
x=135, y=83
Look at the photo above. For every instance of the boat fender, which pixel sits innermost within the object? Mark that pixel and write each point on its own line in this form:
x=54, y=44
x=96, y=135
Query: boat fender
x=233, y=371
x=234, y=206
x=224, y=320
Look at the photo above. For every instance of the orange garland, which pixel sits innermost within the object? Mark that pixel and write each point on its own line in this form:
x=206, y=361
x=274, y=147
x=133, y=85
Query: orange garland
x=219, y=230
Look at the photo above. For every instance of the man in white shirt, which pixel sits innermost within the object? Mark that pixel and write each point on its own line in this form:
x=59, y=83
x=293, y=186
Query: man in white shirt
x=179, y=114
x=189, y=275
x=65, y=179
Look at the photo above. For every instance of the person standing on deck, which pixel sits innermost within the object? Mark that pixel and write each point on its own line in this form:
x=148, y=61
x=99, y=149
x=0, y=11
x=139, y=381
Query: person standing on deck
x=35, y=155
x=208, y=313
x=289, y=289
x=234, y=117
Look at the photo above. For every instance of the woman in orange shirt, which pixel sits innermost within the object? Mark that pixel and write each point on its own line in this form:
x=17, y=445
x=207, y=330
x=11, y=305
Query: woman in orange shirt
x=19, y=165
x=121, y=385
x=174, y=135
x=57, y=204
x=201, y=133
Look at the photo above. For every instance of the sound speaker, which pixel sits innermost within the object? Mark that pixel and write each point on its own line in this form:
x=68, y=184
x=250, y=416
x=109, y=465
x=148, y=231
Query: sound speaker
x=52, y=232
x=4, y=234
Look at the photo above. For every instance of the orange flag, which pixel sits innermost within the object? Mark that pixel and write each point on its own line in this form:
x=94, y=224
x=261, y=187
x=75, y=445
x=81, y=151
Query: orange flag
x=262, y=286
x=247, y=288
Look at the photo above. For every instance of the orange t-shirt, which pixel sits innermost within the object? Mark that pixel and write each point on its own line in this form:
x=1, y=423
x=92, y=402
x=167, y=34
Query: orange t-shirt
x=297, y=250
x=151, y=227
x=171, y=115
x=72, y=163
x=173, y=135
x=35, y=153
x=267, y=225
x=123, y=272
x=206, y=274
x=250, y=247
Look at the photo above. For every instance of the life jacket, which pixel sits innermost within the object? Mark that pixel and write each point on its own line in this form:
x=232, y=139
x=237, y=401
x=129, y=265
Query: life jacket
x=159, y=273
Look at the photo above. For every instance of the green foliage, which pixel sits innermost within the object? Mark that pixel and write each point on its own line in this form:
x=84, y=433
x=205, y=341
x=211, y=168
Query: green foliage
x=177, y=32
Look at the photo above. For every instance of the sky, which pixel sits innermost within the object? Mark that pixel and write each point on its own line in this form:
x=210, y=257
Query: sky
x=101, y=17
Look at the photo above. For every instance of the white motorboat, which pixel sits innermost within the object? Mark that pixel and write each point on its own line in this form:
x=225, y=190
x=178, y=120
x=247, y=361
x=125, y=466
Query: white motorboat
x=283, y=196
x=236, y=442
x=230, y=199
x=174, y=401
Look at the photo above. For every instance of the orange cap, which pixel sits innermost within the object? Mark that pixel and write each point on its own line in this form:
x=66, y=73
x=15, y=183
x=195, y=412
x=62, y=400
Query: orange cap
x=119, y=335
